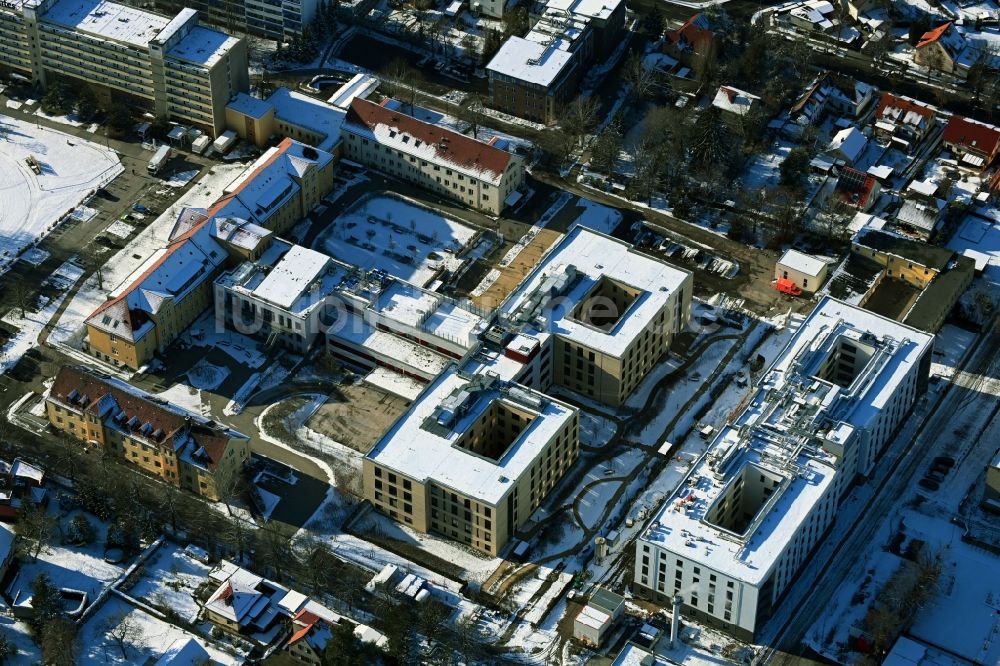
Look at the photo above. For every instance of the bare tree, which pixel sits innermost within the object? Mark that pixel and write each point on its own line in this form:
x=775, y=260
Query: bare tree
x=471, y=113
x=643, y=79
x=123, y=629
x=24, y=297
x=579, y=117
x=36, y=526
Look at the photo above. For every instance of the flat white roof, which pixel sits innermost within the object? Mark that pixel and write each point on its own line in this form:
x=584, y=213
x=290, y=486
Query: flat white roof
x=801, y=262
x=529, y=61
x=595, y=256
x=203, y=46
x=756, y=438
x=601, y=9
x=414, y=307
x=431, y=454
x=107, y=19
x=291, y=276
x=361, y=85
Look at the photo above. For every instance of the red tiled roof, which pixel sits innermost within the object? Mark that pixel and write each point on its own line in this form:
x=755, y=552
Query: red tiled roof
x=855, y=187
x=85, y=384
x=449, y=146
x=692, y=34
x=934, y=35
x=972, y=135
x=890, y=101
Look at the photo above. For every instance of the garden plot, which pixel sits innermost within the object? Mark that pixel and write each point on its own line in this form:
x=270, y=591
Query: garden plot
x=397, y=236
x=69, y=170
x=147, y=640
x=169, y=581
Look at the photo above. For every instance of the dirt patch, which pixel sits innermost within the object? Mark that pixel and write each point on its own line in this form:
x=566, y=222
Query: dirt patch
x=356, y=415
x=512, y=275
x=892, y=298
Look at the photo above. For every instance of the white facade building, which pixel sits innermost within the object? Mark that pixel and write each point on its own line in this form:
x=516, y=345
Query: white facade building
x=734, y=534
x=481, y=175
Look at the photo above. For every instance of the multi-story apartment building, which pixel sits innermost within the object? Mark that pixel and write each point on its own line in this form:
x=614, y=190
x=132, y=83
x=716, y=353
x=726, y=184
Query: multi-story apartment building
x=594, y=317
x=183, y=449
x=534, y=76
x=172, y=67
x=735, y=532
x=481, y=175
x=472, y=458
x=274, y=19
x=161, y=299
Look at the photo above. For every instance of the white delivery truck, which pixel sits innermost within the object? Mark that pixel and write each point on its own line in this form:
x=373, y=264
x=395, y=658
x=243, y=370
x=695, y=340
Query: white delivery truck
x=160, y=158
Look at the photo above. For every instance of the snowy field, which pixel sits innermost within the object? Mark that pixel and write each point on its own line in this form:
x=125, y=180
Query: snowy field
x=31, y=204
x=169, y=580
x=404, y=239
x=29, y=326
x=144, y=645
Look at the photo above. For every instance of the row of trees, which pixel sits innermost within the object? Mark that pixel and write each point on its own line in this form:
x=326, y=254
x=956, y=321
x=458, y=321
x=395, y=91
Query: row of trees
x=62, y=98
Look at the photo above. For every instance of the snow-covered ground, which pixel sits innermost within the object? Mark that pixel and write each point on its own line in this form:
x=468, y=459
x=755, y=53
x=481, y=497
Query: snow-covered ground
x=31, y=204
x=33, y=322
x=405, y=239
x=149, y=639
x=169, y=580
x=70, y=329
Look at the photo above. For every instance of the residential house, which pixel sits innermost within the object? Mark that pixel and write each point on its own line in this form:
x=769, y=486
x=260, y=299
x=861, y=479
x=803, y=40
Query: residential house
x=857, y=189
x=832, y=94
x=974, y=144
x=847, y=145
x=903, y=121
x=693, y=43
x=21, y=484
x=480, y=174
x=737, y=105
x=921, y=219
x=310, y=635
x=180, y=447
x=939, y=49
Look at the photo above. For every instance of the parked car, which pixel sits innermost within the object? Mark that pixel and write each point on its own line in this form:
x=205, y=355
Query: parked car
x=936, y=477
x=944, y=460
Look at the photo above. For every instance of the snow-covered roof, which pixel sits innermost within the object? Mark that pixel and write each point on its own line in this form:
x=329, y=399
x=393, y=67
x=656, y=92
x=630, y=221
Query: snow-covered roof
x=184, y=652
x=785, y=429
x=361, y=85
x=420, y=448
x=248, y=105
x=592, y=256
x=384, y=345
x=593, y=618
x=599, y=9
x=427, y=141
x=107, y=19
x=428, y=311
x=531, y=61
x=296, y=271
x=802, y=262
x=203, y=46
x=734, y=100
x=850, y=142
x=303, y=111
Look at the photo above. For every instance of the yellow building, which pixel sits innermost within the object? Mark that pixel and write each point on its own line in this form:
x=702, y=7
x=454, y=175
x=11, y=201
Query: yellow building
x=175, y=286
x=471, y=459
x=183, y=449
x=286, y=114
x=172, y=67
